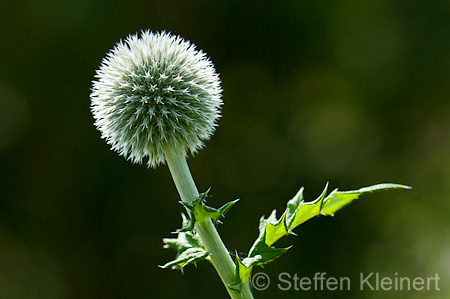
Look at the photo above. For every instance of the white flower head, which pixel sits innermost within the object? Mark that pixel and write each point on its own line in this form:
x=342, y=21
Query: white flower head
x=153, y=91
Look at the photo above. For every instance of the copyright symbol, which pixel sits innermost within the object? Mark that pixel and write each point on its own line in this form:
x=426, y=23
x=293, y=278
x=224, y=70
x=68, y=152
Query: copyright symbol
x=260, y=281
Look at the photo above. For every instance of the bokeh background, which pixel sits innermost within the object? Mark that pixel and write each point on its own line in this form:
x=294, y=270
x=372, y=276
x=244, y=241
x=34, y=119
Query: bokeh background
x=350, y=92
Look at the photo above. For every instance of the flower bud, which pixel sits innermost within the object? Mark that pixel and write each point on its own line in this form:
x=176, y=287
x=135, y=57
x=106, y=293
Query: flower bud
x=155, y=91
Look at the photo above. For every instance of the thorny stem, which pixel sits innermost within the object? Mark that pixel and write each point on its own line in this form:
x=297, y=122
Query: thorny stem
x=219, y=256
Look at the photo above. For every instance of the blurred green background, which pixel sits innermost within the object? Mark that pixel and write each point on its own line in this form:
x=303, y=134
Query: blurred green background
x=350, y=92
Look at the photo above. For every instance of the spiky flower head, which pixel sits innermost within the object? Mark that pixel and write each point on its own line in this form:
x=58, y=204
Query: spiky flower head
x=155, y=91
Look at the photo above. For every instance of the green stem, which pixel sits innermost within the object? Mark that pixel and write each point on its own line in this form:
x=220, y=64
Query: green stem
x=219, y=256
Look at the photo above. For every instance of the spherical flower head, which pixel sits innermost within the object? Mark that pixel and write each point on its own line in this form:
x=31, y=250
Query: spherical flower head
x=155, y=91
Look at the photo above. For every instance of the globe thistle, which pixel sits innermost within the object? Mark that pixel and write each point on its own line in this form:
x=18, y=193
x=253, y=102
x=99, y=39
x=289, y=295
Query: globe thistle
x=153, y=92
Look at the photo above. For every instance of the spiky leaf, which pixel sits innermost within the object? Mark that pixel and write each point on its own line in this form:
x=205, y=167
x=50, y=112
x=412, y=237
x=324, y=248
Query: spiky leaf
x=242, y=275
x=189, y=256
x=338, y=199
x=189, y=247
x=297, y=212
x=201, y=212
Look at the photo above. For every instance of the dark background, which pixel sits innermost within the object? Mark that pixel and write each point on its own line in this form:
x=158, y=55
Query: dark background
x=354, y=93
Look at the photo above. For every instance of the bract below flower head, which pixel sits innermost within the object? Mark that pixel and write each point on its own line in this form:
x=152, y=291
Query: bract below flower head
x=154, y=91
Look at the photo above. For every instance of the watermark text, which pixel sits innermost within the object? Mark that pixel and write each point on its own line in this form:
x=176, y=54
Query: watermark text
x=321, y=281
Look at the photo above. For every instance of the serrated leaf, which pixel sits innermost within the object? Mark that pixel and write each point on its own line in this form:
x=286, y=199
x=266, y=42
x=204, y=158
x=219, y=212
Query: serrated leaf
x=185, y=238
x=275, y=231
x=188, y=256
x=242, y=275
x=215, y=214
x=336, y=200
x=297, y=212
x=304, y=210
x=200, y=212
x=188, y=225
x=261, y=252
x=293, y=205
x=188, y=245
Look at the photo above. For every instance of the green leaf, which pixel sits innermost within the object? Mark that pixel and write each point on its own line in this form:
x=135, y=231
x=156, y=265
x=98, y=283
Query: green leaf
x=200, y=212
x=189, y=256
x=275, y=229
x=297, y=212
x=188, y=245
x=242, y=275
x=336, y=200
x=293, y=205
x=262, y=252
x=188, y=225
x=184, y=240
